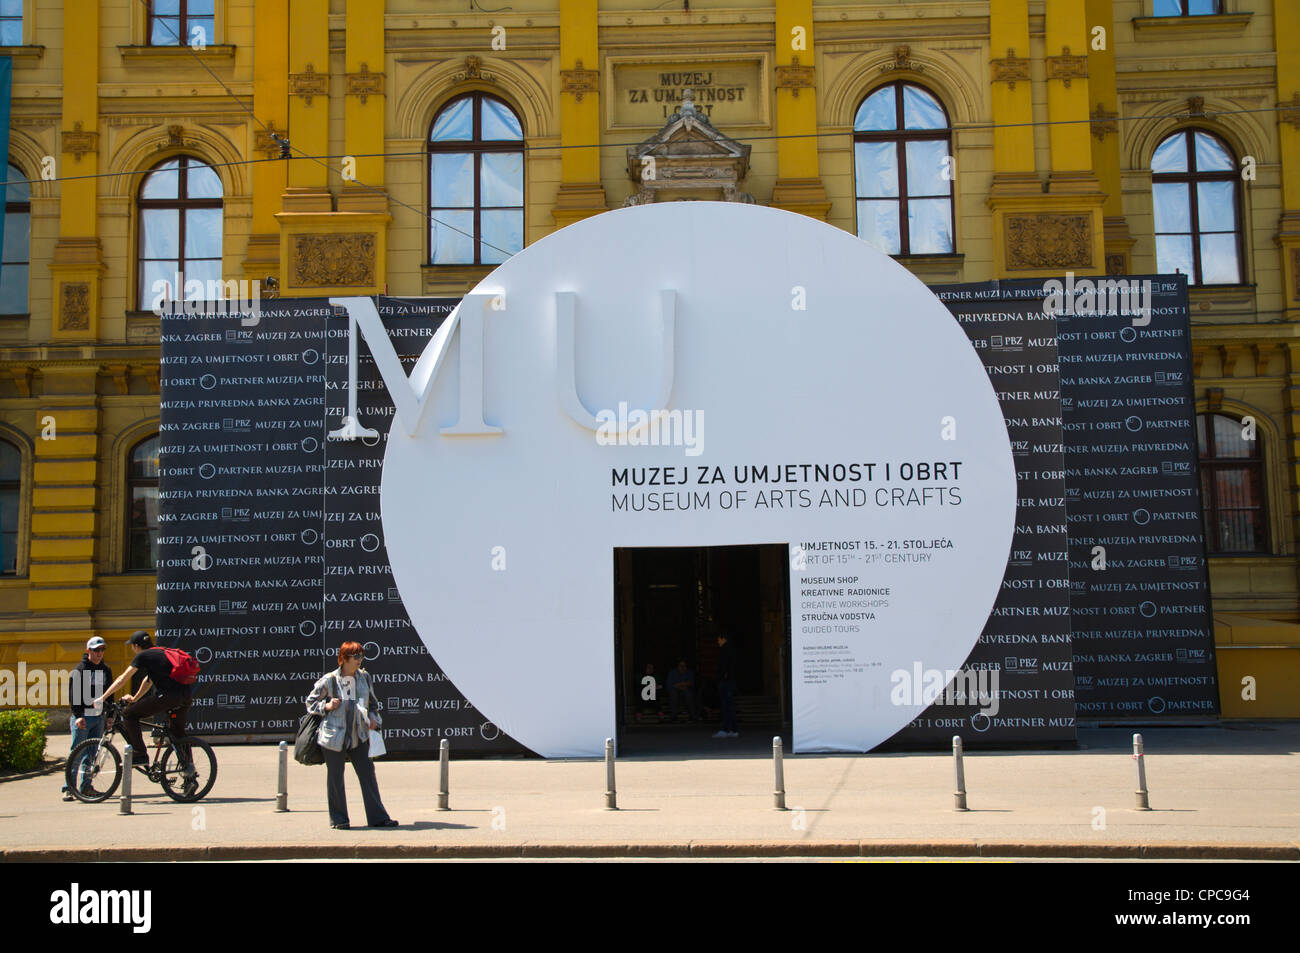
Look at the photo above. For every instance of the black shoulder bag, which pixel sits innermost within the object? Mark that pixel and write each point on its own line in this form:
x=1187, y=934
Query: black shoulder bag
x=306, y=747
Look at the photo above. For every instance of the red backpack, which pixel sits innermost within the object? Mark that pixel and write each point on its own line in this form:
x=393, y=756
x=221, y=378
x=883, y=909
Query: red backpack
x=185, y=670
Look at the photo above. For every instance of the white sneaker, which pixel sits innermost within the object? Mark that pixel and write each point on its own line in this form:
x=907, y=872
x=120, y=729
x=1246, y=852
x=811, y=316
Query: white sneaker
x=721, y=734
x=733, y=734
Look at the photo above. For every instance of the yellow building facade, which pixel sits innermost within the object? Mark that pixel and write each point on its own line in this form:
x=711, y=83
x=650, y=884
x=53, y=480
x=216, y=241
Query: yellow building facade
x=319, y=119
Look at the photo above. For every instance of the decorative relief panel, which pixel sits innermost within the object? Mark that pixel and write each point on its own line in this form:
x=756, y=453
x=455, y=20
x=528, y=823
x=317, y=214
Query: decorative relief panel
x=1067, y=67
x=345, y=259
x=1049, y=240
x=264, y=141
x=903, y=61
x=74, y=305
x=365, y=84
x=79, y=142
x=308, y=84
x=1289, y=111
x=795, y=77
x=473, y=72
x=1295, y=274
x=1010, y=70
x=579, y=81
x=1104, y=123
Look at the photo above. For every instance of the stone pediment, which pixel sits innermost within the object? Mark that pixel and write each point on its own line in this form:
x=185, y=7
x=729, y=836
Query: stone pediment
x=688, y=159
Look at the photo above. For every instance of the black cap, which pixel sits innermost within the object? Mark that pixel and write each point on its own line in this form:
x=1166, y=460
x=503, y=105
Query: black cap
x=141, y=638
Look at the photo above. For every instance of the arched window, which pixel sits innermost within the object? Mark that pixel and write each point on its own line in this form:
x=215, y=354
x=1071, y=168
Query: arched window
x=180, y=232
x=181, y=22
x=142, y=506
x=1194, y=194
x=903, y=171
x=1232, y=485
x=17, y=243
x=476, y=182
x=11, y=475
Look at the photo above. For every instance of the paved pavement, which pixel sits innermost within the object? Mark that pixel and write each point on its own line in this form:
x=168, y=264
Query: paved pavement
x=1227, y=792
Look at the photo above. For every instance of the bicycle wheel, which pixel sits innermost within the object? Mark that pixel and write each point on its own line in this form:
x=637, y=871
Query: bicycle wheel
x=173, y=779
x=98, y=777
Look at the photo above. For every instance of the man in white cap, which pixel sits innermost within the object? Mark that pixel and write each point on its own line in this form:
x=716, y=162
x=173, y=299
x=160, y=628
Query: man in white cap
x=89, y=679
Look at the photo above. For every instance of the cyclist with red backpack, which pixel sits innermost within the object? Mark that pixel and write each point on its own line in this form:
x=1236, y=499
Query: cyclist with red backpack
x=171, y=673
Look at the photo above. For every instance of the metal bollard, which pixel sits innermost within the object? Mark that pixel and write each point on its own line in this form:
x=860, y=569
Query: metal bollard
x=282, y=785
x=444, y=751
x=124, y=807
x=778, y=796
x=1143, y=803
x=611, y=796
x=959, y=796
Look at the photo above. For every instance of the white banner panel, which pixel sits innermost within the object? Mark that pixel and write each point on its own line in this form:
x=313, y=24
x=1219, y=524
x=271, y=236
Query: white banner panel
x=695, y=374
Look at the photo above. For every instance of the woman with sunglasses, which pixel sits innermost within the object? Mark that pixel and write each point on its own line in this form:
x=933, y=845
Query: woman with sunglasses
x=346, y=699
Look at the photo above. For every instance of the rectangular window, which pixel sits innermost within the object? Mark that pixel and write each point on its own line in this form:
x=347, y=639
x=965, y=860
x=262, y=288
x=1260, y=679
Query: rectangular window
x=182, y=22
x=11, y=22
x=1187, y=8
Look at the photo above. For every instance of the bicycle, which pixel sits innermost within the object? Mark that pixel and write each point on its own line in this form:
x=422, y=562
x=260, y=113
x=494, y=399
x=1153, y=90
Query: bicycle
x=94, y=768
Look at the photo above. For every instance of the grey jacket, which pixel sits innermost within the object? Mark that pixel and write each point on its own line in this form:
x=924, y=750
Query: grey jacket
x=333, y=730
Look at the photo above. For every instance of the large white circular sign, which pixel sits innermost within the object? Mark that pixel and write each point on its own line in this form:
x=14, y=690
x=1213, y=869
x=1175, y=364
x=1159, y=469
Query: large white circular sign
x=819, y=396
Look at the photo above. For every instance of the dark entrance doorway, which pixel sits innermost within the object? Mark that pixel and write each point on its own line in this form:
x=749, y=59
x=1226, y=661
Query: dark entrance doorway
x=670, y=605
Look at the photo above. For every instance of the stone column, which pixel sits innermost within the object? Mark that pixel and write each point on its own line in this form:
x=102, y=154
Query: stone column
x=271, y=104
x=581, y=194
x=1286, y=30
x=309, y=105
x=64, y=477
x=1036, y=233
x=1104, y=129
x=77, y=264
x=799, y=186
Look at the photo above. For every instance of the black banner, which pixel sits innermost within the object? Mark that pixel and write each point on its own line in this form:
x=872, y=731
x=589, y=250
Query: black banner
x=1143, y=636
x=1025, y=645
x=270, y=548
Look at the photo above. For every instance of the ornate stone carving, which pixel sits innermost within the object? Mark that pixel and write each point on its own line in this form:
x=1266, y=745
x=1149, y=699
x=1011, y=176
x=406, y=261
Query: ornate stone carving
x=795, y=77
x=1010, y=69
x=121, y=374
x=365, y=84
x=1295, y=274
x=79, y=142
x=1048, y=240
x=903, y=61
x=74, y=305
x=265, y=144
x=1117, y=264
x=1290, y=111
x=22, y=377
x=687, y=159
x=473, y=72
x=1067, y=67
x=1104, y=122
x=308, y=84
x=175, y=135
x=579, y=81
x=1196, y=107
x=345, y=259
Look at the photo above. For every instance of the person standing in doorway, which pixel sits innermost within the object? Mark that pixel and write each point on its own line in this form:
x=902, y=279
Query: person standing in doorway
x=727, y=687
